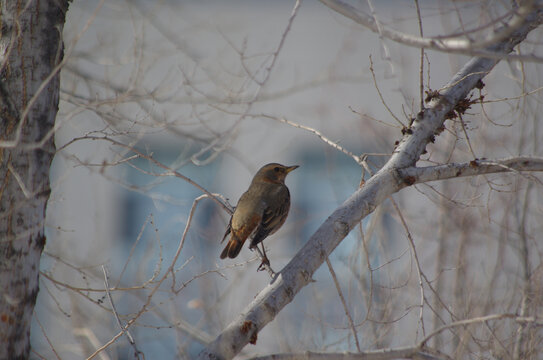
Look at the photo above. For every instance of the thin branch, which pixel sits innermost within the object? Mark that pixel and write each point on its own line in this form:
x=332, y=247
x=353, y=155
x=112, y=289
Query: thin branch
x=329, y=142
x=158, y=267
x=381, y=95
x=137, y=352
x=183, y=238
x=525, y=277
x=417, y=263
x=344, y=303
x=157, y=285
x=384, y=48
x=484, y=319
x=195, y=158
x=468, y=141
x=168, y=171
x=421, y=66
x=47, y=337
x=293, y=14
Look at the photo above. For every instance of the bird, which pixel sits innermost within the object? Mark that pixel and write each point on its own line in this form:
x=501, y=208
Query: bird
x=260, y=211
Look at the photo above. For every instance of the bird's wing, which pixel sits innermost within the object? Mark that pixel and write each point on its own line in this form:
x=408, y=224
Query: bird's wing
x=272, y=220
x=247, y=228
x=228, y=229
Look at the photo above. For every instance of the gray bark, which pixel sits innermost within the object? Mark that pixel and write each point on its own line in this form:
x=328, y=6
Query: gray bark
x=30, y=50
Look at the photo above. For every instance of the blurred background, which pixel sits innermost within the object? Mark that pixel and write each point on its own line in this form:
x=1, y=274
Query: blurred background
x=214, y=90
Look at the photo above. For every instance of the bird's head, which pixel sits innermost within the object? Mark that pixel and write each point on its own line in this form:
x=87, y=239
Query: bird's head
x=273, y=173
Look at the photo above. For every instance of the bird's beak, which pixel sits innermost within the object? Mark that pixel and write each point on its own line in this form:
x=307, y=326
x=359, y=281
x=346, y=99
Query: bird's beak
x=290, y=168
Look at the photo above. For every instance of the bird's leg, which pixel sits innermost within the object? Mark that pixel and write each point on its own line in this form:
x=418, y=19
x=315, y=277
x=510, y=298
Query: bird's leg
x=265, y=260
x=265, y=265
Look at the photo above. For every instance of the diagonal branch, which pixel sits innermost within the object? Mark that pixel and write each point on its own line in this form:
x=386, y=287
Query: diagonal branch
x=298, y=272
x=453, y=44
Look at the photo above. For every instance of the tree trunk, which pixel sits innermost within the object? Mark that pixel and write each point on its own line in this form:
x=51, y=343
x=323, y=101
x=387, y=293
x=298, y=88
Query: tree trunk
x=30, y=49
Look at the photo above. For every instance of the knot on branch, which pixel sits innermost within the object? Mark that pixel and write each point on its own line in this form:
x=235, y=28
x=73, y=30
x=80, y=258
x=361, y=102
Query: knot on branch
x=462, y=106
x=409, y=180
x=341, y=228
x=249, y=326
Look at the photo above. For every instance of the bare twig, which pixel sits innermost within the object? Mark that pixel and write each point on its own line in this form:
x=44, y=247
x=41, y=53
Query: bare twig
x=526, y=275
x=483, y=319
x=157, y=285
x=468, y=141
x=46, y=337
x=381, y=96
x=329, y=142
x=158, y=266
x=168, y=171
x=137, y=352
x=344, y=303
x=421, y=66
x=417, y=263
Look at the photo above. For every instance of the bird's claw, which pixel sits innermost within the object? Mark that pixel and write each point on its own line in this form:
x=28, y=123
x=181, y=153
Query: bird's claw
x=264, y=265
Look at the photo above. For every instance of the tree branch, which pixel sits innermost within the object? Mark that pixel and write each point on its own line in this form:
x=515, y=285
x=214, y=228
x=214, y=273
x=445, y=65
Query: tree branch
x=417, y=175
x=455, y=44
x=299, y=271
x=389, y=354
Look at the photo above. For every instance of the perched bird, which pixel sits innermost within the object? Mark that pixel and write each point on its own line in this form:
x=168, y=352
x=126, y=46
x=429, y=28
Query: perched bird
x=261, y=210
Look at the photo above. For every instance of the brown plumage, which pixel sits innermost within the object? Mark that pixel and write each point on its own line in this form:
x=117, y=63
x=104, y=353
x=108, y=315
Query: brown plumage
x=261, y=210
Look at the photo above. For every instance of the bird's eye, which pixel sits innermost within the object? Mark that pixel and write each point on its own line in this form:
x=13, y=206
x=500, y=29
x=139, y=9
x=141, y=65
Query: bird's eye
x=276, y=169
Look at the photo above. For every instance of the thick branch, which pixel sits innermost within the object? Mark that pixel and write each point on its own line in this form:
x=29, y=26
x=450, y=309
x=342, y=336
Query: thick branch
x=416, y=175
x=298, y=272
x=389, y=354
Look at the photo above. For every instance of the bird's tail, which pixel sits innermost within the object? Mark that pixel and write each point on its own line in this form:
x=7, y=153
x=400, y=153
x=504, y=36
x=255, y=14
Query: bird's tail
x=232, y=249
